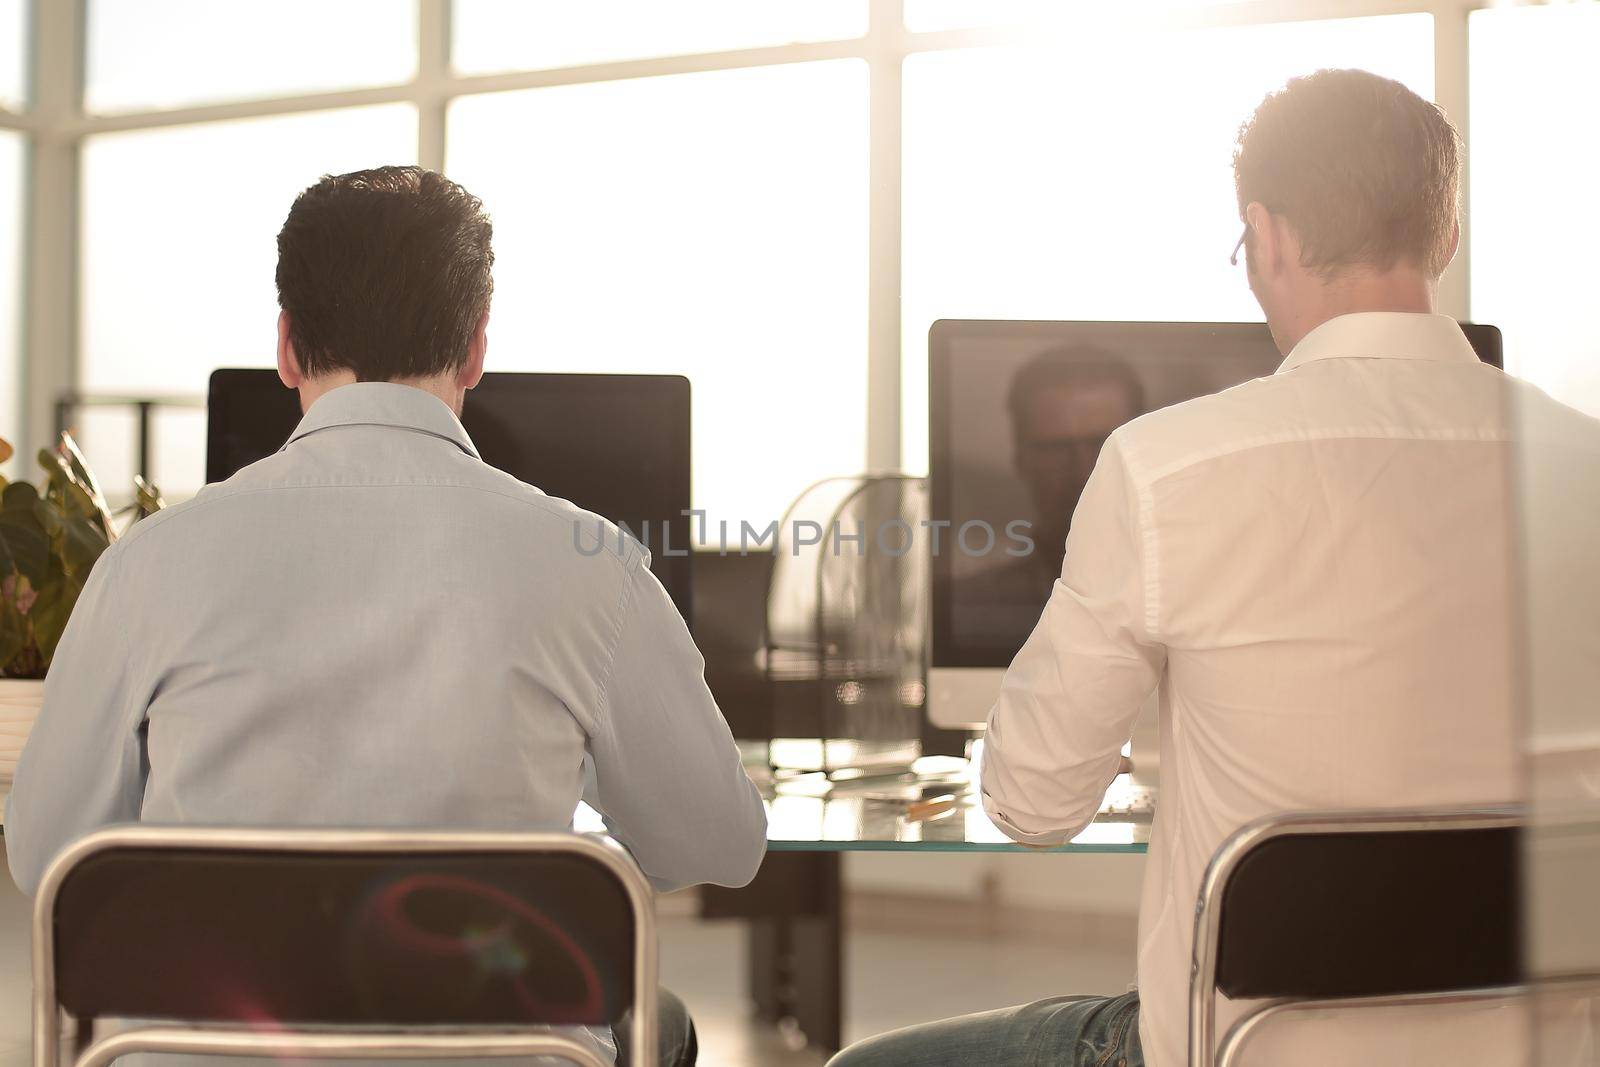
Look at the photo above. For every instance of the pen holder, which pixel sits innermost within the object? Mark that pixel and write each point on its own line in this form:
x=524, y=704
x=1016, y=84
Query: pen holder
x=845, y=649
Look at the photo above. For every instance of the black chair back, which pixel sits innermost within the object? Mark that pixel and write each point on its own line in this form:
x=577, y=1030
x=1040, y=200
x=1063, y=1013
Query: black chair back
x=382, y=937
x=1320, y=915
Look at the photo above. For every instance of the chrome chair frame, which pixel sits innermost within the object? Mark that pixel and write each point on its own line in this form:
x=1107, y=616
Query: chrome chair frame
x=1203, y=1049
x=333, y=1042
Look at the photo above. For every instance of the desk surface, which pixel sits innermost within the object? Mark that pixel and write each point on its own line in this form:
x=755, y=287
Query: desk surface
x=807, y=824
x=804, y=816
x=807, y=814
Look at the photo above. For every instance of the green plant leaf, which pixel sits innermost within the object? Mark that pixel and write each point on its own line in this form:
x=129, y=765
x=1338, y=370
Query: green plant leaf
x=80, y=488
x=48, y=515
x=79, y=545
x=78, y=467
x=13, y=634
x=18, y=496
x=50, y=614
x=55, y=484
x=62, y=491
x=149, y=500
x=24, y=548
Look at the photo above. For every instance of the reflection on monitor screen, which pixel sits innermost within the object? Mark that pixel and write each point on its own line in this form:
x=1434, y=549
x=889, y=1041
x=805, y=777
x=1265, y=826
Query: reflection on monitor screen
x=1020, y=411
x=1025, y=416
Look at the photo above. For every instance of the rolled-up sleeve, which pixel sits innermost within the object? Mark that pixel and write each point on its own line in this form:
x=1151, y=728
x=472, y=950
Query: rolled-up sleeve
x=667, y=776
x=1070, y=697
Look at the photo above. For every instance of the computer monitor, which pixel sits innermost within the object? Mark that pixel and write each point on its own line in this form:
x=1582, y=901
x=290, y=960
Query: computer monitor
x=614, y=444
x=1018, y=413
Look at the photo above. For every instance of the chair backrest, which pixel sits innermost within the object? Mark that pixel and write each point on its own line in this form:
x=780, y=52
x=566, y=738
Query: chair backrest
x=359, y=928
x=1371, y=913
x=1323, y=905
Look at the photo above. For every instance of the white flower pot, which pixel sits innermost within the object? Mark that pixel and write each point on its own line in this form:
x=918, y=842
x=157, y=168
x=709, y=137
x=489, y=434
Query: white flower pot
x=19, y=705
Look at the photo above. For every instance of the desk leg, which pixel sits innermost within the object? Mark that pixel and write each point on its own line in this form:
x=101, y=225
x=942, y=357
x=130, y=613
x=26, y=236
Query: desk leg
x=796, y=946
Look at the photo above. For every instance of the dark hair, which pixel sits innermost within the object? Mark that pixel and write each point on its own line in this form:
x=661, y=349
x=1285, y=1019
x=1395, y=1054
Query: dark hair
x=384, y=272
x=1076, y=367
x=1365, y=170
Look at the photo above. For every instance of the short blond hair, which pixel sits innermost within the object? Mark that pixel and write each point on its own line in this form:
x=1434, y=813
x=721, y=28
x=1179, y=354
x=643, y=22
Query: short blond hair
x=1366, y=171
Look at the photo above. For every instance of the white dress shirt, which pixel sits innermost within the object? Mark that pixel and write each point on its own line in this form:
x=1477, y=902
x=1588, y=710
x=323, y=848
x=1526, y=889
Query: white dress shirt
x=1315, y=569
x=375, y=628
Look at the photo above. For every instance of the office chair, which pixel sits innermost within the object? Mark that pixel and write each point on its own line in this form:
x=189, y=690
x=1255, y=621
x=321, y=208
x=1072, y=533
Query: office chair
x=335, y=943
x=1355, y=909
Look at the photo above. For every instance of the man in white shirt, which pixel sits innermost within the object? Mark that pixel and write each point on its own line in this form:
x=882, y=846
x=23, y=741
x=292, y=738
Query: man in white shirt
x=1314, y=569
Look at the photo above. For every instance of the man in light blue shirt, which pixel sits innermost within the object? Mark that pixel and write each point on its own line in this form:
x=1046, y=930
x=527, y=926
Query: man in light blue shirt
x=373, y=627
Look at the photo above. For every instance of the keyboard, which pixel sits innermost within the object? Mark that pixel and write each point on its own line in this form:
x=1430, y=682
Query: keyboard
x=1126, y=802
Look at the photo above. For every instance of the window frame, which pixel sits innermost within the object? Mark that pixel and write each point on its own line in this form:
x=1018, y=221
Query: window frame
x=56, y=125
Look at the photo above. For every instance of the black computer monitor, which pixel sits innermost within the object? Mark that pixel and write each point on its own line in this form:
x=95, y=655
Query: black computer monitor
x=614, y=444
x=995, y=387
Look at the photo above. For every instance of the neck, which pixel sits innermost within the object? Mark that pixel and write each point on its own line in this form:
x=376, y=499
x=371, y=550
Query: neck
x=1400, y=289
x=443, y=386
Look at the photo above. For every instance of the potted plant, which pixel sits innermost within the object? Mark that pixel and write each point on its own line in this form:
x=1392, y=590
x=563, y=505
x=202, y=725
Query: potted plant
x=50, y=537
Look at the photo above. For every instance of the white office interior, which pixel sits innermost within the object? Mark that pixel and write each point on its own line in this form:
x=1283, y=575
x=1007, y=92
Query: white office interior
x=776, y=199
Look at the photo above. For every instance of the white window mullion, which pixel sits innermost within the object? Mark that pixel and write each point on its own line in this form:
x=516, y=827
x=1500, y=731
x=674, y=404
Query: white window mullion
x=886, y=35
x=50, y=245
x=433, y=76
x=1450, y=92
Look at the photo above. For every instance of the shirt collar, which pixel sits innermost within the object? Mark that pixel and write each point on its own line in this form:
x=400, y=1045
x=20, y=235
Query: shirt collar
x=1384, y=335
x=384, y=404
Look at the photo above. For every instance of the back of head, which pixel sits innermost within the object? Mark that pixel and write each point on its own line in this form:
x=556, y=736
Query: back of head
x=385, y=273
x=1365, y=170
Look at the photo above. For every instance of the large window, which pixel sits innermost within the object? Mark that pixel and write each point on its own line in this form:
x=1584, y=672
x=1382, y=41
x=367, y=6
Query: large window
x=11, y=177
x=693, y=188
x=711, y=225
x=1534, y=209
x=178, y=254
x=1092, y=177
x=501, y=35
x=923, y=15
x=13, y=54
x=151, y=54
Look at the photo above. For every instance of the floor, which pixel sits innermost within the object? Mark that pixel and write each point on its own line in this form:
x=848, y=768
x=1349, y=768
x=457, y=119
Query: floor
x=892, y=980
x=14, y=967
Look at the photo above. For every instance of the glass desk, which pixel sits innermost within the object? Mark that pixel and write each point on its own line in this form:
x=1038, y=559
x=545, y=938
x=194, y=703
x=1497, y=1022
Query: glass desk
x=795, y=907
x=933, y=808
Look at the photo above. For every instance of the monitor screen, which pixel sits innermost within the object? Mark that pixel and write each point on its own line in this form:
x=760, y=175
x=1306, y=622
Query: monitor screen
x=1019, y=411
x=614, y=444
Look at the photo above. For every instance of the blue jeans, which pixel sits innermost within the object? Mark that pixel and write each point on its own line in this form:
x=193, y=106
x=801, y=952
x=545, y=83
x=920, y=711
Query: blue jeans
x=1059, y=1032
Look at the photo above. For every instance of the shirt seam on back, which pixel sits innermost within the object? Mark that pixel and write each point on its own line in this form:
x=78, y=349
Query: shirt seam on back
x=1445, y=436
x=1150, y=564
x=196, y=504
x=603, y=683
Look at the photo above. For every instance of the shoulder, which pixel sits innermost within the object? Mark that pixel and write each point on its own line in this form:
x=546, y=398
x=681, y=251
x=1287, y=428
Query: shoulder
x=591, y=533
x=1170, y=439
x=487, y=495
x=1543, y=421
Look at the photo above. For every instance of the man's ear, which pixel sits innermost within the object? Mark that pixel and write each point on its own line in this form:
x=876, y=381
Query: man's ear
x=1455, y=242
x=288, y=364
x=477, y=348
x=1264, y=248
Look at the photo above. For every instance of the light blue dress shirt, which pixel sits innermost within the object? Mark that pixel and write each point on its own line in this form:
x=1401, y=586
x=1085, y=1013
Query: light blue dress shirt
x=375, y=628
